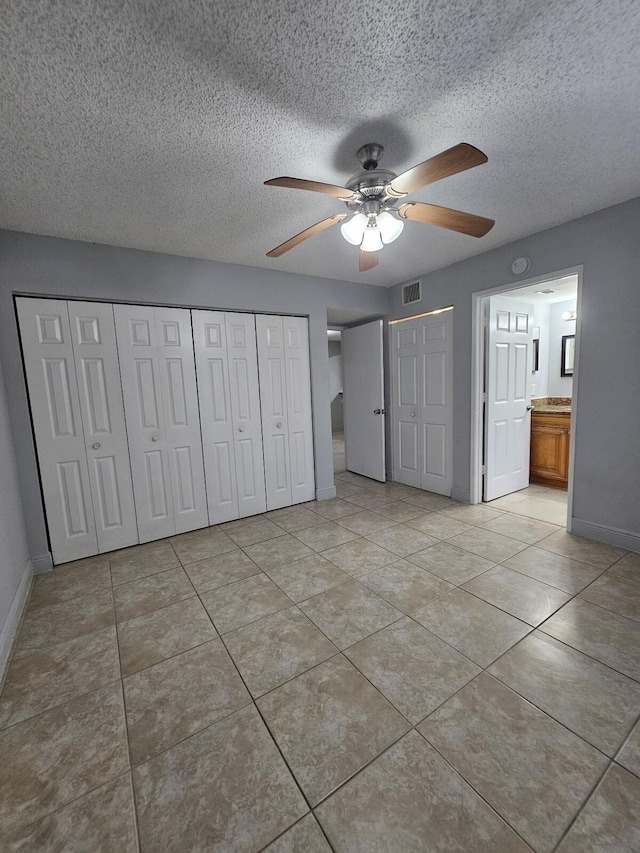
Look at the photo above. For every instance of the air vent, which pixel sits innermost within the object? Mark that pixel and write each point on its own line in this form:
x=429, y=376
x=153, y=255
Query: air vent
x=411, y=293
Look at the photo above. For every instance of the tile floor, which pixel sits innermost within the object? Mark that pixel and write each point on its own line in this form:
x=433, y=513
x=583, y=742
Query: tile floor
x=385, y=671
x=539, y=502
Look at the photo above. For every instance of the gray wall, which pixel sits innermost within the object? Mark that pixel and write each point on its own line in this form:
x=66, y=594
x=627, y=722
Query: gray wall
x=559, y=386
x=48, y=266
x=607, y=417
x=335, y=386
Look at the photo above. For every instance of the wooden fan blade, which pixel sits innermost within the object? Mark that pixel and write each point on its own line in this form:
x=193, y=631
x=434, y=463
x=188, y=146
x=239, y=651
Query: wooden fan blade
x=313, y=186
x=457, y=159
x=304, y=235
x=368, y=260
x=446, y=217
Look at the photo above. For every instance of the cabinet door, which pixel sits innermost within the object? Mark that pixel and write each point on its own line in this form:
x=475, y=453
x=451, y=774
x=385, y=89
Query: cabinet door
x=96, y=362
x=141, y=386
x=245, y=411
x=273, y=401
x=181, y=417
x=57, y=423
x=296, y=352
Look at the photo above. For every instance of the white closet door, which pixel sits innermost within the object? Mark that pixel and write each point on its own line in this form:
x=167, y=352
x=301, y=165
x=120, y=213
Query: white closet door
x=406, y=366
x=181, y=417
x=273, y=400
x=245, y=411
x=436, y=414
x=140, y=371
x=96, y=361
x=212, y=368
x=55, y=407
x=296, y=351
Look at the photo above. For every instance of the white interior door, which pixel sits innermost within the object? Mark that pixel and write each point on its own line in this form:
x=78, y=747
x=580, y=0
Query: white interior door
x=364, y=418
x=436, y=402
x=296, y=352
x=406, y=366
x=273, y=401
x=508, y=400
x=100, y=392
x=57, y=423
x=181, y=417
x=142, y=394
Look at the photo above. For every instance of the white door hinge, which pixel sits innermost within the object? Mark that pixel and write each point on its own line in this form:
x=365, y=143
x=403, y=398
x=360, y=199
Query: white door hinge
x=483, y=470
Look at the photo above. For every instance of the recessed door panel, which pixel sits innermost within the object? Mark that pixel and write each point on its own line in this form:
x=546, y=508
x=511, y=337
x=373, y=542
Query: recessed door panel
x=408, y=447
x=435, y=379
x=109, y=508
x=407, y=380
x=435, y=450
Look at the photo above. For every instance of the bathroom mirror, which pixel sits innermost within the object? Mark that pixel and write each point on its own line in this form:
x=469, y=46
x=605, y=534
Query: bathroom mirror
x=568, y=355
x=536, y=349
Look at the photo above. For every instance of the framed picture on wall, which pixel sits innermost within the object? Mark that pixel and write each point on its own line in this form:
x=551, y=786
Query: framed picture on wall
x=536, y=350
x=568, y=355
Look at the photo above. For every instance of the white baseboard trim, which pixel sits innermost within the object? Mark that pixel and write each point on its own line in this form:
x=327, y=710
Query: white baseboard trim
x=461, y=495
x=43, y=563
x=326, y=494
x=609, y=535
x=10, y=627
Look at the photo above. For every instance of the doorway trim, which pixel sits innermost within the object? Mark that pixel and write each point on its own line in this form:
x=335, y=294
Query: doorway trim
x=477, y=368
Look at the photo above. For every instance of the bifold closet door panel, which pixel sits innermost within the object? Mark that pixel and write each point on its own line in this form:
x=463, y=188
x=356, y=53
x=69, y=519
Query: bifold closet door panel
x=406, y=365
x=148, y=453
x=57, y=423
x=296, y=355
x=226, y=365
x=273, y=401
x=181, y=417
x=100, y=391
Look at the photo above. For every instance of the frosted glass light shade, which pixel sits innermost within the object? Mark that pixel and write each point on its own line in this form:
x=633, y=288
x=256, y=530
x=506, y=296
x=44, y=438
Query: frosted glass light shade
x=390, y=227
x=371, y=241
x=353, y=229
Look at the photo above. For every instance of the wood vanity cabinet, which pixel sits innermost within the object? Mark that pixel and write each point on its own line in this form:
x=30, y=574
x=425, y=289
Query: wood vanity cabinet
x=549, y=463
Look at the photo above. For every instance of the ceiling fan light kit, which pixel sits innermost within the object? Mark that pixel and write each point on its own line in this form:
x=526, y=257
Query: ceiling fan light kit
x=373, y=195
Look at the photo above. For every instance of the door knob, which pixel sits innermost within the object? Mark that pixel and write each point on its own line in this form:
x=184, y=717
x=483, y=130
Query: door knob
x=377, y=411
x=96, y=446
x=413, y=414
x=529, y=408
x=240, y=429
x=279, y=425
x=155, y=438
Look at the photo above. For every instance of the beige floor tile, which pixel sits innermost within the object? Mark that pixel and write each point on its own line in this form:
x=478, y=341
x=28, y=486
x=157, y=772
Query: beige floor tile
x=334, y=508
x=507, y=502
x=73, y=580
x=429, y=501
x=60, y=755
x=349, y=613
x=357, y=480
x=370, y=499
x=532, y=770
x=409, y=799
x=473, y=627
x=328, y=723
x=248, y=531
x=218, y=571
x=307, y=577
x=325, y=536
x=561, y=572
x=596, y=702
x=542, y=509
x=366, y=522
x=345, y=490
x=68, y=620
x=39, y=679
x=405, y=585
x=599, y=633
x=519, y=595
x=402, y=540
x=485, y=543
x=359, y=556
x=450, y=563
x=616, y=593
x=142, y=560
x=176, y=698
x=472, y=514
x=102, y=820
x=151, y=593
x=629, y=755
x=439, y=525
x=585, y=550
x=609, y=822
x=243, y=602
x=161, y=634
x=628, y=567
x=276, y=649
x=199, y=544
x=305, y=837
x=412, y=668
x=523, y=529
x=398, y=491
x=400, y=511
x=294, y=518
x=278, y=552
x=224, y=789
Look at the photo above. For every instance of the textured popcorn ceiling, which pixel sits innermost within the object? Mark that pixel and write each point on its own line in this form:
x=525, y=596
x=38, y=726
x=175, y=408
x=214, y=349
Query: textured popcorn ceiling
x=154, y=124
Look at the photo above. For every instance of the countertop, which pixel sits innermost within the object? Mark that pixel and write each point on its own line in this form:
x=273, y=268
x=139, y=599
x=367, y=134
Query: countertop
x=552, y=405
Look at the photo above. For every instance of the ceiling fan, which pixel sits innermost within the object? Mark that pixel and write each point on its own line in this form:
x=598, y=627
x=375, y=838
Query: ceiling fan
x=375, y=198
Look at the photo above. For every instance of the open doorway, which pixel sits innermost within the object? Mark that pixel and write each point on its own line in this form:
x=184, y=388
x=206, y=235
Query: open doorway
x=524, y=389
x=336, y=395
